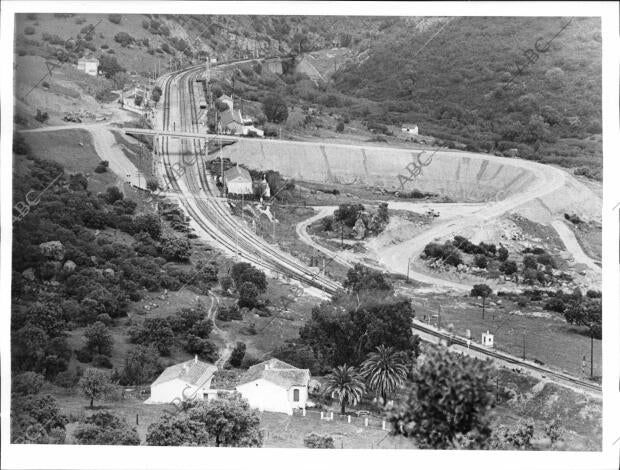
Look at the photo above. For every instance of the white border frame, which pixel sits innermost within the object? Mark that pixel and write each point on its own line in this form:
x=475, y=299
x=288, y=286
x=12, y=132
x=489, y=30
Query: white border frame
x=92, y=457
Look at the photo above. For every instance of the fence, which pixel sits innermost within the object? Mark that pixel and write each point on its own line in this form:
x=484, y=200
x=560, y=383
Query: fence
x=368, y=421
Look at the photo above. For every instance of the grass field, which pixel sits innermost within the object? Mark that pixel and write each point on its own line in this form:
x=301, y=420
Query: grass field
x=548, y=338
x=74, y=150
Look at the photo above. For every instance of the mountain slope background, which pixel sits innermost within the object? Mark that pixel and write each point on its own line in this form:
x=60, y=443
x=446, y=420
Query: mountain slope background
x=467, y=81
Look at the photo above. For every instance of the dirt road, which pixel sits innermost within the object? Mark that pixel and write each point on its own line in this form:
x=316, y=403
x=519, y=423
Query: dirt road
x=573, y=246
x=107, y=149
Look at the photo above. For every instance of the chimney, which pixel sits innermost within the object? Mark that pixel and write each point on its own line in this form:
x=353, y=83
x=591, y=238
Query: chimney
x=195, y=358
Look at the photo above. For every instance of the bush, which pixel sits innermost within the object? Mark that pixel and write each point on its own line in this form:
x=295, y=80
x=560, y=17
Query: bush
x=41, y=116
x=340, y=127
x=508, y=267
x=84, y=355
x=275, y=108
x=248, y=295
x=114, y=18
x=237, y=355
x=317, y=441
x=99, y=360
x=29, y=30
x=555, y=305
x=502, y=254
x=102, y=167
x=481, y=261
x=229, y=313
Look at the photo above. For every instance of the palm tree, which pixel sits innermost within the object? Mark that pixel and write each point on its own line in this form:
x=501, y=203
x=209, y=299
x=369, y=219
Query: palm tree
x=384, y=370
x=345, y=384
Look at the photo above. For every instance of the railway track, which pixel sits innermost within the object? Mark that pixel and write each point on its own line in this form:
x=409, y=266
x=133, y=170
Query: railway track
x=557, y=375
x=209, y=213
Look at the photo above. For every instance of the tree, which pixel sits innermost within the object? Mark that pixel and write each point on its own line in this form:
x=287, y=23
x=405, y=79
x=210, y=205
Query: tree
x=384, y=371
x=340, y=126
x=149, y=223
x=114, y=18
x=481, y=290
x=449, y=397
x=155, y=331
x=222, y=422
x=248, y=295
x=36, y=419
x=27, y=383
x=98, y=338
x=481, y=261
x=236, y=357
x=120, y=79
x=275, y=108
x=345, y=385
x=586, y=312
x=245, y=272
x=94, y=384
x=317, y=441
x=156, y=94
x=361, y=278
x=176, y=249
x=502, y=254
x=140, y=365
x=104, y=428
x=529, y=262
x=109, y=66
x=346, y=330
x=508, y=267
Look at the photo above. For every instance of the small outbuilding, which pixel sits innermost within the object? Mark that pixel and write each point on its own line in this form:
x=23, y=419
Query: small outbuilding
x=411, y=129
x=89, y=65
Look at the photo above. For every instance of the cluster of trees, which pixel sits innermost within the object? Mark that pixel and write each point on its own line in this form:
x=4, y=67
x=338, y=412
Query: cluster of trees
x=250, y=283
x=223, y=422
x=348, y=214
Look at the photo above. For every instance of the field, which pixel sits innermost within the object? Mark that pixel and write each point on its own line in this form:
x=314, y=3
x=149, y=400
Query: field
x=548, y=338
x=74, y=150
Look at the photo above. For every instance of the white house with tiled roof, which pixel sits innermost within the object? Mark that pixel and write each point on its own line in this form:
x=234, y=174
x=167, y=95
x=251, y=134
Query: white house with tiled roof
x=276, y=386
x=185, y=381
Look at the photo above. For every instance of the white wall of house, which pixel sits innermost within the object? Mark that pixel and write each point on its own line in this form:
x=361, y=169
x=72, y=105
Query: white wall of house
x=175, y=390
x=267, y=396
x=89, y=67
x=239, y=186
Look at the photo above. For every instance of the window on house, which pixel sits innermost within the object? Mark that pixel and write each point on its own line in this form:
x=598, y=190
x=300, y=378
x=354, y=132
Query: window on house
x=296, y=394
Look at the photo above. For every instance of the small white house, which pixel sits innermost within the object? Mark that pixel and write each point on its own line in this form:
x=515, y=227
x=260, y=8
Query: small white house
x=487, y=339
x=411, y=129
x=188, y=380
x=89, y=65
x=275, y=386
x=238, y=180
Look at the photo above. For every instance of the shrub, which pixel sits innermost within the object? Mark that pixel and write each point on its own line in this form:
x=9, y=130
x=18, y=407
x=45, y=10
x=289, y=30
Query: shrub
x=502, y=254
x=99, y=360
x=29, y=30
x=229, y=313
x=84, y=355
x=508, y=267
x=102, y=167
x=555, y=305
x=248, y=295
x=237, y=355
x=481, y=261
x=114, y=18
x=340, y=127
x=41, y=116
x=317, y=441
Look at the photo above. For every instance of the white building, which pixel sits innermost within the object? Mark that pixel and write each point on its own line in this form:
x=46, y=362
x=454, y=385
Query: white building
x=238, y=180
x=275, y=386
x=185, y=381
x=409, y=129
x=89, y=65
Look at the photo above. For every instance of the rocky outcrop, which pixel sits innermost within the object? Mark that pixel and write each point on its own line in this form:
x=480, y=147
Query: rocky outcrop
x=53, y=250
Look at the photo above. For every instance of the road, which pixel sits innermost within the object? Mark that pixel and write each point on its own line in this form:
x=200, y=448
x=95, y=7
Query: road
x=572, y=245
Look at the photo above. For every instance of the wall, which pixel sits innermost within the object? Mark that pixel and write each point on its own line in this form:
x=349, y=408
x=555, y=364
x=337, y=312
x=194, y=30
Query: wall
x=266, y=396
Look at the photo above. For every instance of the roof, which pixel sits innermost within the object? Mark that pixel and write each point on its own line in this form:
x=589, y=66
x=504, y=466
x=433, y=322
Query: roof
x=193, y=372
x=408, y=125
x=237, y=172
x=277, y=372
x=231, y=115
x=88, y=59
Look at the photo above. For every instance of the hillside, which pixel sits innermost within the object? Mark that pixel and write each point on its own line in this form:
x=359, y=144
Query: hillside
x=472, y=83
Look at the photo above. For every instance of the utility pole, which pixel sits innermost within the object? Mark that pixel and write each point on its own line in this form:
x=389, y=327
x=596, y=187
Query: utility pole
x=483, y=302
x=524, y=347
x=591, y=355
x=439, y=316
x=341, y=236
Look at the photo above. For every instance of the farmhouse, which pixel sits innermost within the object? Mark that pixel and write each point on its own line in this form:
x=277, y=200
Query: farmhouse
x=276, y=386
x=238, y=180
x=185, y=381
x=89, y=65
x=409, y=129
